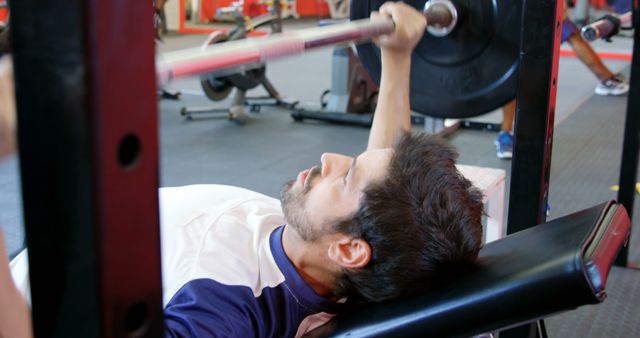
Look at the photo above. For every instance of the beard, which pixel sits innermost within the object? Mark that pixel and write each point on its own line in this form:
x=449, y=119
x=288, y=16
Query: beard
x=293, y=201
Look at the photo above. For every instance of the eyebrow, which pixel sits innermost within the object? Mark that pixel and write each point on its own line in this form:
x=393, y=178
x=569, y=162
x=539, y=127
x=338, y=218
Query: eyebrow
x=352, y=169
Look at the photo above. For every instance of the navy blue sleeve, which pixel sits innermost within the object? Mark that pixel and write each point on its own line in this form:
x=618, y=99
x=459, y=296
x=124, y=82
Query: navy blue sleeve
x=206, y=308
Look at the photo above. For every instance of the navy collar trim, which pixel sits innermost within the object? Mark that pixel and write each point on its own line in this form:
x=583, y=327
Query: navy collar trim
x=294, y=281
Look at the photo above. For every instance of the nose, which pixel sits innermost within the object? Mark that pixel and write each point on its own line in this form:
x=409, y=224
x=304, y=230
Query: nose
x=334, y=163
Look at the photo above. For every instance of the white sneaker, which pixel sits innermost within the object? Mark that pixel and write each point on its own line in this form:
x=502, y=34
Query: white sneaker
x=617, y=85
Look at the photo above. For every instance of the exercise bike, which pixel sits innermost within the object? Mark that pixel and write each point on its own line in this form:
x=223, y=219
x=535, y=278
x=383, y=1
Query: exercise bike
x=218, y=87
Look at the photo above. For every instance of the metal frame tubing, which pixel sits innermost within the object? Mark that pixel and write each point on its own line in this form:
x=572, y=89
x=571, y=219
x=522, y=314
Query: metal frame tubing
x=629, y=164
x=87, y=115
x=535, y=111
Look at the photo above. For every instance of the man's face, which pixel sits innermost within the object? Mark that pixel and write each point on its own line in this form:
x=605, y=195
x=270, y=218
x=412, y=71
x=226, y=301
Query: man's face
x=324, y=194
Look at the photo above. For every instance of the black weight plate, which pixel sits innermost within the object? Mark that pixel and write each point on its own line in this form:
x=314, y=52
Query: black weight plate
x=248, y=79
x=467, y=73
x=218, y=88
x=215, y=88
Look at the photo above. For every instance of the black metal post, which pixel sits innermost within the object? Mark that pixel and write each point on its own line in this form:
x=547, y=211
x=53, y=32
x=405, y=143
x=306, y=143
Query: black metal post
x=535, y=111
x=629, y=163
x=87, y=125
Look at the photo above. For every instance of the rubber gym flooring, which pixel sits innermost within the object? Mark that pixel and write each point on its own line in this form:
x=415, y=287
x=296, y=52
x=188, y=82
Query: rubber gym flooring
x=271, y=149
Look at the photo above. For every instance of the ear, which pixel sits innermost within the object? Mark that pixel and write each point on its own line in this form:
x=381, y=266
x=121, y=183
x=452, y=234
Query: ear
x=349, y=252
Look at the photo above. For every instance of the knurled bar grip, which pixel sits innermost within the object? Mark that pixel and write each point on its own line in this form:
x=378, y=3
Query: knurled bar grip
x=606, y=27
x=255, y=51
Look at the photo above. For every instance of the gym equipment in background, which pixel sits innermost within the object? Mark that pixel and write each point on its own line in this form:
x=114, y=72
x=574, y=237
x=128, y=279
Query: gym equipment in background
x=352, y=91
x=254, y=9
x=606, y=27
x=160, y=25
x=4, y=14
x=218, y=87
x=338, y=9
x=4, y=27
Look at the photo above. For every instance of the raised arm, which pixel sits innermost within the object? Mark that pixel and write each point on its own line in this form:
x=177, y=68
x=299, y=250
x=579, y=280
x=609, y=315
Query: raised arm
x=393, y=115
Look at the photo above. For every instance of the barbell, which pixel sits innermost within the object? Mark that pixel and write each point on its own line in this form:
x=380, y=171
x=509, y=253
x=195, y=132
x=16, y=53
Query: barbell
x=464, y=67
x=605, y=27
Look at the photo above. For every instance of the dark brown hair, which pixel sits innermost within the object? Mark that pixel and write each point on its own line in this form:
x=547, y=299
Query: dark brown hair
x=423, y=223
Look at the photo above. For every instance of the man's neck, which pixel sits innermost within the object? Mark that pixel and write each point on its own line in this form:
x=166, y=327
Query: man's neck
x=314, y=271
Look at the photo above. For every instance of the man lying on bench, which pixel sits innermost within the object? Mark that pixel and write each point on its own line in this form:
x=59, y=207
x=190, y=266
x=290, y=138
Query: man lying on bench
x=392, y=221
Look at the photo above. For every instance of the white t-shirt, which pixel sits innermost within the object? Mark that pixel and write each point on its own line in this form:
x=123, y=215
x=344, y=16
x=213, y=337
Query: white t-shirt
x=224, y=270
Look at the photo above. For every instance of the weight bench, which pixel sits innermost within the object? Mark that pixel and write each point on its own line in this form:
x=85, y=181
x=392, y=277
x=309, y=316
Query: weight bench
x=544, y=270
